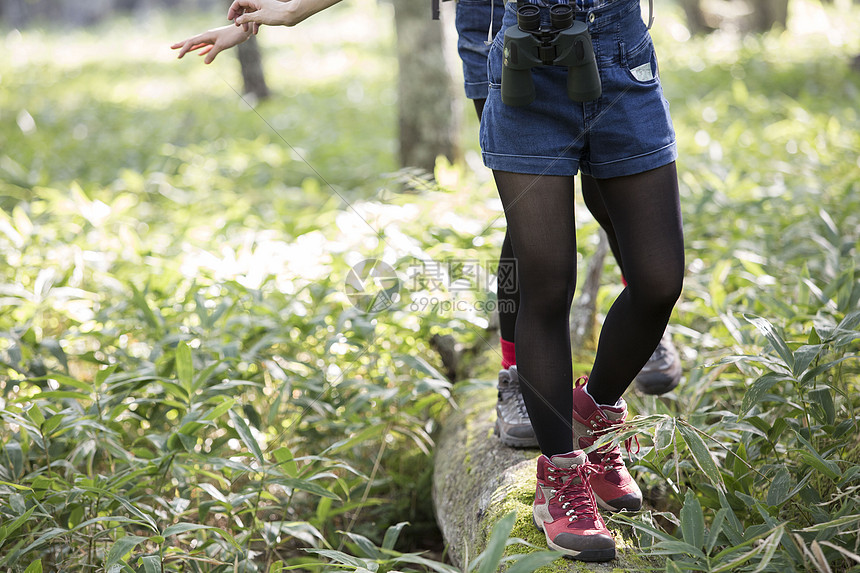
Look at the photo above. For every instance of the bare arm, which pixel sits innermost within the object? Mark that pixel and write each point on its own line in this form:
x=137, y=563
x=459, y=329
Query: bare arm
x=248, y=16
x=246, y=13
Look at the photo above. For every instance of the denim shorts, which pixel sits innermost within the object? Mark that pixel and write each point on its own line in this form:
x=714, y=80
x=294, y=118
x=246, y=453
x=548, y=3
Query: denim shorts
x=626, y=131
x=473, y=26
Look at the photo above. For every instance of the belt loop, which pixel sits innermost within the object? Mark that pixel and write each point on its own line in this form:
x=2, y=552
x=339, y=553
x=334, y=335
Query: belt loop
x=650, y=13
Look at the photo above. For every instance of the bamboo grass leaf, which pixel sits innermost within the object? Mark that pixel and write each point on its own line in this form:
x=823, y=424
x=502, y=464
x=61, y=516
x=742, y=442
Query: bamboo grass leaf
x=533, y=561
x=247, y=436
x=392, y=534
x=491, y=556
x=701, y=454
x=693, y=521
x=122, y=547
x=759, y=389
x=779, y=345
x=184, y=366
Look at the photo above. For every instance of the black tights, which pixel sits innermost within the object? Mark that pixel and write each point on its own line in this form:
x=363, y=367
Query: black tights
x=641, y=214
x=508, y=289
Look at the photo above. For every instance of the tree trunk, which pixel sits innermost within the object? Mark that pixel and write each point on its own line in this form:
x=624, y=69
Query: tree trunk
x=13, y=13
x=428, y=124
x=696, y=21
x=252, y=69
x=769, y=13
x=477, y=481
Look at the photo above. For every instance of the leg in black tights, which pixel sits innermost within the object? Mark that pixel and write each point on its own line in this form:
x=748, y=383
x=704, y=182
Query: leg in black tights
x=644, y=212
x=540, y=216
x=594, y=202
x=508, y=292
x=645, y=215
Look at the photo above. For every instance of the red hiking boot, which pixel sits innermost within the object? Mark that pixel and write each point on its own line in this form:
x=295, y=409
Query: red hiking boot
x=566, y=511
x=613, y=486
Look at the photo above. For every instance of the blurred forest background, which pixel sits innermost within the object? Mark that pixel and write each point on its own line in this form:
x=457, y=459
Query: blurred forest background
x=186, y=384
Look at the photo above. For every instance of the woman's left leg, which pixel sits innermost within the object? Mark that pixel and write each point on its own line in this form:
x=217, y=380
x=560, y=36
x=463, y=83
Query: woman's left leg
x=646, y=216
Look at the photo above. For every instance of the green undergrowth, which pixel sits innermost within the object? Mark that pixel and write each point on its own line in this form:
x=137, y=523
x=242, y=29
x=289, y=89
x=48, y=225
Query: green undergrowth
x=190, y=379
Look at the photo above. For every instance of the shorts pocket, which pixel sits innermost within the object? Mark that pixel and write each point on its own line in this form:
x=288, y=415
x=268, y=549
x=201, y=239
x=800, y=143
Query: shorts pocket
x=641, y=62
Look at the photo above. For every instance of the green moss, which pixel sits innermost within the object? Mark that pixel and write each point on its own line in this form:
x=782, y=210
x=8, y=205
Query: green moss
x=479, y=396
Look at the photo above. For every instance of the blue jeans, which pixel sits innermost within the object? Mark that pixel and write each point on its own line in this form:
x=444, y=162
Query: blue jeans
x=475, y=20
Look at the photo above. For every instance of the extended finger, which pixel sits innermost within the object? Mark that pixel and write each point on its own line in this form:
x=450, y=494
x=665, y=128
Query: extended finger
x=187, y=46
x=200, y=45
x=195, y=43
x=212, y=52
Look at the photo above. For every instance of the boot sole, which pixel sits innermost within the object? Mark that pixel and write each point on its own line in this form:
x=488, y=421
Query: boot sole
x=591, y=555
x=656, y=388
x=611, y=508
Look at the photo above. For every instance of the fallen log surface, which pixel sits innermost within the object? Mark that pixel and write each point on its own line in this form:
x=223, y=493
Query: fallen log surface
x=477, y=481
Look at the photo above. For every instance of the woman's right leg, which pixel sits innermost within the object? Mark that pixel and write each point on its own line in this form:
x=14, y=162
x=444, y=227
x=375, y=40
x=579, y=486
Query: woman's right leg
x=513, y=425
x=508, y=293
x=540, y=217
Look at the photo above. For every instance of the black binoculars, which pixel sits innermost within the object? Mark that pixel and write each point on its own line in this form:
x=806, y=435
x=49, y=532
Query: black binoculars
x=565, y=43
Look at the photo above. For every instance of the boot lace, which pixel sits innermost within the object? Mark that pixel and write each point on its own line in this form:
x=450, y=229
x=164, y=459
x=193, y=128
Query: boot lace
x=512, y=390
x=574, y=494
x=521, y=404
x=610, y=455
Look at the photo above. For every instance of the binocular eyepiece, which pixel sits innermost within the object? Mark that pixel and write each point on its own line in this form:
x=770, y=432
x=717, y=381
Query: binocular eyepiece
x=565, y=43
x=528, y=17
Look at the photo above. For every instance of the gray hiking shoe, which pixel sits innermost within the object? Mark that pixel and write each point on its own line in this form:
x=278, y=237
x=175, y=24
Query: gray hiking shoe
x=512, y=420
x=662, y=372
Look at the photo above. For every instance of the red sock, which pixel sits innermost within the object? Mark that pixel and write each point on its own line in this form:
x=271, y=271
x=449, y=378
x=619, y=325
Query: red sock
x=509, y=357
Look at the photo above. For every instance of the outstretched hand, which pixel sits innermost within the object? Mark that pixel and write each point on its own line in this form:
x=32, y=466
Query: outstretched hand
x=212, y=42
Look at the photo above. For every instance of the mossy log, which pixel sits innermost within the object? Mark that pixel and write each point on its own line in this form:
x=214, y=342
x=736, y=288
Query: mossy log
x=477, y=481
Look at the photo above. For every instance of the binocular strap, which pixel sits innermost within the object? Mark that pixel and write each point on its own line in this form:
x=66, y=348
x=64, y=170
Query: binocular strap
x=492, y=19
